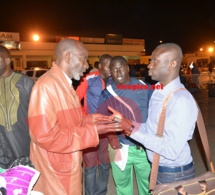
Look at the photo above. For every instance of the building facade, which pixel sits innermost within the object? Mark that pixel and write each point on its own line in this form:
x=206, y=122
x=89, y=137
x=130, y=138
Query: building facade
x=27, y=55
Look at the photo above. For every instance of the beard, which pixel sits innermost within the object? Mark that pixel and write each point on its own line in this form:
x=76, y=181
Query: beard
x=77, y=75
x=77, y=72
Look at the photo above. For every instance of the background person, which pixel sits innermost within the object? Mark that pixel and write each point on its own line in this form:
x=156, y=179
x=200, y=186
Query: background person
x=176, y=161
x=133, y=104
x=15, y=89
x=95, y=67
x=58, y=129
x=97, y=157
x=211, y=64
x=132, y=71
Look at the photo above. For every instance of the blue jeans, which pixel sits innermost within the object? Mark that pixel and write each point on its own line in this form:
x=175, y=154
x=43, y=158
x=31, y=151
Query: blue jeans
x=96, y=169
x=168, y=177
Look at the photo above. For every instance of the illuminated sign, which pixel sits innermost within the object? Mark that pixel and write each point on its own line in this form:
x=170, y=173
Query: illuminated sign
x=92, y=40
x=58, y=38
x=8, y=36
x=133, y=41
x=114, y=39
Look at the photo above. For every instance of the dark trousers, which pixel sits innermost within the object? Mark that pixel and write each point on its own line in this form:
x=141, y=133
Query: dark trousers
x=96, y=169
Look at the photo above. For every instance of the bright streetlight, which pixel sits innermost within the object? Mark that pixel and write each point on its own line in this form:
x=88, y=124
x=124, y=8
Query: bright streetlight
x=36, y=37
x=210, y=49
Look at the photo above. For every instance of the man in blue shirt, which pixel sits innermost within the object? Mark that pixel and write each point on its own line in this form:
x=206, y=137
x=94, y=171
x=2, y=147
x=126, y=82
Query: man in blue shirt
x=130, y=97
x=96, y=160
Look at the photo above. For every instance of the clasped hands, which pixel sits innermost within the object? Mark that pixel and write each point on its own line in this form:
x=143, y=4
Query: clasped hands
x=126, y=124
x=114, y=123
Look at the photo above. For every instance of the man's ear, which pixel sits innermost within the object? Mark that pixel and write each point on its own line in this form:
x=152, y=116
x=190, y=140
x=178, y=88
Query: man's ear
x=173, y=65
x=67, y=56
x=99, y=66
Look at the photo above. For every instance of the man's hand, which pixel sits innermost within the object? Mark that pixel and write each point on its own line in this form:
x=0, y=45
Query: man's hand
x=108, y=127
x=114, y=140
x=125, y=123
x=93, y=118
x=116, y=115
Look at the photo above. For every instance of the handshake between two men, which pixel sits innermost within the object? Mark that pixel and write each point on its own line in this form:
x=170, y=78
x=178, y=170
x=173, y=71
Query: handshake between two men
x=113, y=123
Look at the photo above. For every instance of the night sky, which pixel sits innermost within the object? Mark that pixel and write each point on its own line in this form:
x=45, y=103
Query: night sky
x=190, y=23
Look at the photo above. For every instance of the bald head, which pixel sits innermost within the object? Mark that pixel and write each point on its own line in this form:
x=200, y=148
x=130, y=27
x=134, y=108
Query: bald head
x=71, y=57
x=70, y=45
x=165, y=63
x=174, y=52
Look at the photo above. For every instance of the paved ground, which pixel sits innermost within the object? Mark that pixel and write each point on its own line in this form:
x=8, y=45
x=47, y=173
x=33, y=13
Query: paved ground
x=207, y=105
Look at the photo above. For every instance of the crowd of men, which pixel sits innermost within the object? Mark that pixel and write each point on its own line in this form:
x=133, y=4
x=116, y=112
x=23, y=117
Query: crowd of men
x=113, y=128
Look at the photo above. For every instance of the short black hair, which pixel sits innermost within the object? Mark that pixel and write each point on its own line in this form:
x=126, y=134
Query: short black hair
x=104, y=57
x=118, y=59
x=4, y=51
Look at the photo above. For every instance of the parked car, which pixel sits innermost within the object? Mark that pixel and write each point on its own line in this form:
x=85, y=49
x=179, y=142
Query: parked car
x=35, y=73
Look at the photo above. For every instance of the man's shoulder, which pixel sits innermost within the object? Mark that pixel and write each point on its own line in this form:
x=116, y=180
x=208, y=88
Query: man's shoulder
x=24, y=77
x=105, y=93
x=183, y=96
x=94, y=70
x=21, y=74
x=92, y=75
x=105, y=90
x=49, y=80
x=138, y=81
